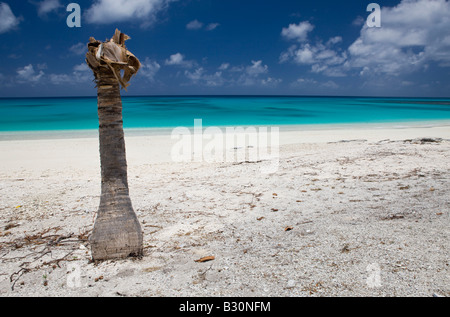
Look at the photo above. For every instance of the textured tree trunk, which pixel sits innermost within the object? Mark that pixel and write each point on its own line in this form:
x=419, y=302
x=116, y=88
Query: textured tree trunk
x=117, y=232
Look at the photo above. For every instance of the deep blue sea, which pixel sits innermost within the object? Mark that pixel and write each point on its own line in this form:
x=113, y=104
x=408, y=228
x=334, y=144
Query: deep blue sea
x=158, y=112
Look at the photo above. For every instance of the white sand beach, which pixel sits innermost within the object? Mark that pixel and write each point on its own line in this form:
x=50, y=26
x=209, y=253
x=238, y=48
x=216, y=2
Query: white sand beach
x=351, y=211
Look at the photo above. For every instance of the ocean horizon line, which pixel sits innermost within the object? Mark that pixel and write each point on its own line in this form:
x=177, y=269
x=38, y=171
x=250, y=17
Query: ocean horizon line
x=228, y=96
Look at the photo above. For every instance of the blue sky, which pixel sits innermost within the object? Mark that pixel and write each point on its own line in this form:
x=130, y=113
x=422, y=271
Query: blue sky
x=214, y=47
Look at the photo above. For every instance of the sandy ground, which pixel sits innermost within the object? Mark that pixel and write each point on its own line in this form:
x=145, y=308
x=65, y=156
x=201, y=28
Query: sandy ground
x=349, y=212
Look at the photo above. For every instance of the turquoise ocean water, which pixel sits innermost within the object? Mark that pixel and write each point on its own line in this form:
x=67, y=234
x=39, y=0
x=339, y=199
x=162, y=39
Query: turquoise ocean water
x=43, y=114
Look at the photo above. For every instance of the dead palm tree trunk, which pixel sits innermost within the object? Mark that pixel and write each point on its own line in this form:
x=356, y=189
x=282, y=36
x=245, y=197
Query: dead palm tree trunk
x=117, y=232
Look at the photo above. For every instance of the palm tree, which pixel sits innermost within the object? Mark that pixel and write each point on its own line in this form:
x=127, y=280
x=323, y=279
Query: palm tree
x=117, y=232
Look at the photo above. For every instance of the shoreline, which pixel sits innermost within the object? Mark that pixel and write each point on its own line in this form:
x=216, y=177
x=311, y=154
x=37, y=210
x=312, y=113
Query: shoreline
x=60, y=151
x=166, y=131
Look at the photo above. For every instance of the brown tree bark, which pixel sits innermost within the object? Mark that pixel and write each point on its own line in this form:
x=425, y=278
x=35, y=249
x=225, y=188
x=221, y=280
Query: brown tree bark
x=117, y=233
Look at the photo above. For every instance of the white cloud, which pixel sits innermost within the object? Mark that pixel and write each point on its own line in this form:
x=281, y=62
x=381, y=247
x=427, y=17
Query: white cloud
x=255, y=74
x=288, y=55
x=224, y=66
x=200, y=77
x=359, y=21
x=175, y=59
x=42, y=66
x=8, y=21
x=256, y=69
x=413, y=34
x=81, y=68
x=81, y=74
x=27, y=74
x=112, y=11
x=149, y=69
x=47, y=6
x=60, y=79
x=212, y=26
x=197, y=25
x=305, y=55
x=330, y=85
x=334, y=40
x=194, y=25
x=298, y=32
x=302, y=82
x=236, y=69
x=269, y=81
x=178, y=59
x=312, y=84
x=322, y=58
x=195, y=75
x=79, y=49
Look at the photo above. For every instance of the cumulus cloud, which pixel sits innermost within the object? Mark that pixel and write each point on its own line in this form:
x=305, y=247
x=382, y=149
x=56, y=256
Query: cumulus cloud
x=194, y=25
x=83, y=67
x=255, y=74
x=149, y=69
x=112, y=11
x=81, y=73
x=8, y=21
x=359, y=21
x=79, y=49
x=200, y=77
x=298, y=32
x=334, y=40
x=323, y=58
x=256, y=69
x=34, y=74
x=311, y=84
x=178, y=59
x=270, y=81
x=47, y=6
x=175, y=59
x=28, y=74
x=60, y=79
x=302, y=82
x=330, y=85
x=197, y=25
x=413, y=34
x=212, y=26
x=224, y=66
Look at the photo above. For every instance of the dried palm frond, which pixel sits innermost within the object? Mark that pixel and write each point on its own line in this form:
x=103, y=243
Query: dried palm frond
x=114, y=55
